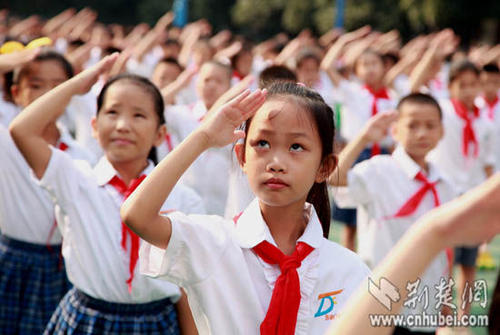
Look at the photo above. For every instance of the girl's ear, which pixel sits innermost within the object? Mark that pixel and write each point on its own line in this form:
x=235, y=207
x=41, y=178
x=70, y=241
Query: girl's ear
x=239, y=150
x=160, y=135
x=93, y=123
x=326, y=168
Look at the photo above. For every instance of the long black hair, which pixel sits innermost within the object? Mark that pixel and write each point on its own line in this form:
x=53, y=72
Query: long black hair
x=322, y=115
x=147, y=86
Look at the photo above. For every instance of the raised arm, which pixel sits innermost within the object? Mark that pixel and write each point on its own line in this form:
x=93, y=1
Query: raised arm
x=375, y=130
x=328, y=62
x=469, y=220
x=28, y=127
x=141, y=210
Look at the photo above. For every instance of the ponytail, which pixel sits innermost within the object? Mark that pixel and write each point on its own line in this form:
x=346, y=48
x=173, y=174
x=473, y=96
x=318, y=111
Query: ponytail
x=318, y=197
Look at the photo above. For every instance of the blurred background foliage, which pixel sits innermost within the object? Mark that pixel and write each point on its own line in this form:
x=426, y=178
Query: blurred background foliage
x=258, y=19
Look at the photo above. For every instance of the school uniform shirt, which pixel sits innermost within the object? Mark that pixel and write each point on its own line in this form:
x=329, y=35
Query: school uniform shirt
x=239, y=193
x=208, y=175
x=88, y=215
x=84, y=108
x=8, y=112
x=492, y=114
x=379, y=187
x=26, y=210
x=465, y=172
x=357, y=109
x=229, y=287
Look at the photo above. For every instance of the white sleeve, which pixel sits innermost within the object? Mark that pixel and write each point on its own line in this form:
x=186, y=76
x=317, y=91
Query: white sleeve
x=358, y=182
x=488, y=154
x=195, y=248
x=179, y=121
x=63, y=178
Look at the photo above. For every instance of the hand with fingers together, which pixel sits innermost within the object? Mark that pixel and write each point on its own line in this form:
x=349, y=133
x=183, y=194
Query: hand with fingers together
x=220, y=127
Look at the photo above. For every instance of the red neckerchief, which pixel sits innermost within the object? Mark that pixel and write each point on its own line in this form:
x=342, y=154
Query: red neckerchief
x=281, y=316
x=168, y=140
x=469, y=136
x=382, y=93
x=411, y=205
x=491, y=107
x=125, y=190
x=238, y=75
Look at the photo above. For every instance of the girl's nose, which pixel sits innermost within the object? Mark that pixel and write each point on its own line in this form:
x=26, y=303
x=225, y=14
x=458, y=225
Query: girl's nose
x=276, y=165
x=122, y=124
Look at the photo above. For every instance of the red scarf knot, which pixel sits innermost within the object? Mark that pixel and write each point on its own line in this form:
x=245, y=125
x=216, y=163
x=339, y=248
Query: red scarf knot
x=469, y=136
x=125, y=190
x=381, y=93
x=281, y=316
x=411, y=205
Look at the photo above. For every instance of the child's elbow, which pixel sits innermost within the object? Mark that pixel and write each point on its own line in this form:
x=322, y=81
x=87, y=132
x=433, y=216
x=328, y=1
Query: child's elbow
x=127, y=216
x=15, y=131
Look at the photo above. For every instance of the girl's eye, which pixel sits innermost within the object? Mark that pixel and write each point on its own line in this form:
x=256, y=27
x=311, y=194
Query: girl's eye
x=262, y=144
x=140, y=115
x=111, y=112
x=296, y=147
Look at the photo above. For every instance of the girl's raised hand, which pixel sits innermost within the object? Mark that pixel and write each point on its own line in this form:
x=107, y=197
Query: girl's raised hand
x=86, y=79
x=12, y=60
x=220, y=126
x=376, y=129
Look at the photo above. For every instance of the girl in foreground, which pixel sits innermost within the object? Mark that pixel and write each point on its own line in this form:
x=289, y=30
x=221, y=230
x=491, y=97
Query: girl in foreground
x=272, y=267
x=100, y=252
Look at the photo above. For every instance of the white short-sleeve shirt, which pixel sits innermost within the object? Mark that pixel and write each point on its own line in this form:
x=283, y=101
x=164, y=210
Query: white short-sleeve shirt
x=357, y=108
x=494, y=118
x=26, y=210
x=88, y=215
x=229, y=287
x=379, y=187
x=464, y=172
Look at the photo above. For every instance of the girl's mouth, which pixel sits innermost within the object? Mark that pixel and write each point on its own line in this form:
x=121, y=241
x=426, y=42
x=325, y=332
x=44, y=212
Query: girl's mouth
x=276, y=184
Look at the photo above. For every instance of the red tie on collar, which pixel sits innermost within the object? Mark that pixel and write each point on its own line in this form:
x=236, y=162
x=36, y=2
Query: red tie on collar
x=121, y=187
x=469, y=136
x=168, y=139
x=491, y=107
x=281, y=316
x=62, y=146
x=379, y=94
x=411, y=205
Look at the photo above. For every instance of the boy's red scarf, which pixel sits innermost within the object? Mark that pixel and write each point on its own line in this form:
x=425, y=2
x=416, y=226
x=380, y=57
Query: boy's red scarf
x=469, y=136
x=121, y=187
x=379, y=94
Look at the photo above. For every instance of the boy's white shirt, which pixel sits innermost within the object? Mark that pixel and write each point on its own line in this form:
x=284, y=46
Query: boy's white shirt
x=379, y=187
x=8, y=112
x=357, y=108
x=88, y=215
x=481, y=103
x=208, y=175
x=229, y=287
x=26, y=210
x=464, y=172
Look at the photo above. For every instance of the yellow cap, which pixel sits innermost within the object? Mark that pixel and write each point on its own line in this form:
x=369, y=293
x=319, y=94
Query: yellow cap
x=39, y=42
x=10, y=47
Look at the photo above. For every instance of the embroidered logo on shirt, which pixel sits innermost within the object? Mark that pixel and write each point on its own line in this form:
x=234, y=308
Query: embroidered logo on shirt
x=327, y=303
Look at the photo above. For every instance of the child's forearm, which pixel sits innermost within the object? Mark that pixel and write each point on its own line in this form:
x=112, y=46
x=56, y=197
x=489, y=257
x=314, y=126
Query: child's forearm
x=398, y=268
x=347, y=157
x=141, y=210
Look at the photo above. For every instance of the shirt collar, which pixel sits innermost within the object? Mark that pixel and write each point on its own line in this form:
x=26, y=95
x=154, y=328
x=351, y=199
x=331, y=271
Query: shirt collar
x=410, y=167
x=105, y=171
x=251, y=229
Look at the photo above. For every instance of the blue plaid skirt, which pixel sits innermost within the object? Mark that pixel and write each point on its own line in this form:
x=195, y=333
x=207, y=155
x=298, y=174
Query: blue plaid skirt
x=32, y=282
x=79, y=313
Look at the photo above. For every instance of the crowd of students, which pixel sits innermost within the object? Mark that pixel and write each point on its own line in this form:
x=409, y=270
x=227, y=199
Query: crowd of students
x=166, y=180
